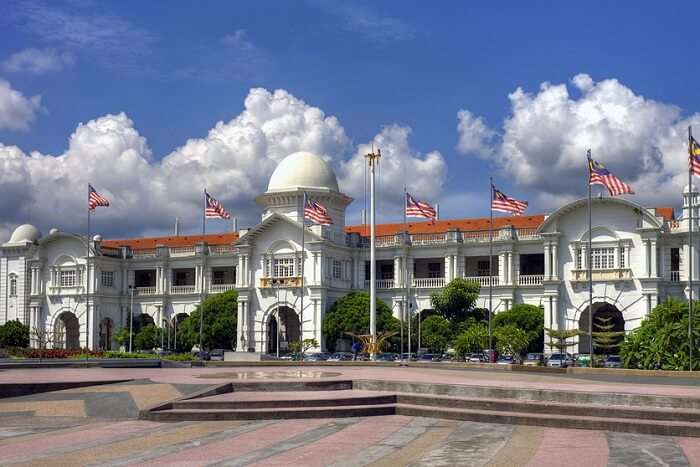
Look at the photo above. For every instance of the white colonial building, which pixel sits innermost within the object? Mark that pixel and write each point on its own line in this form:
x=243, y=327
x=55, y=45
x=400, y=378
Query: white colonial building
x=638, y=259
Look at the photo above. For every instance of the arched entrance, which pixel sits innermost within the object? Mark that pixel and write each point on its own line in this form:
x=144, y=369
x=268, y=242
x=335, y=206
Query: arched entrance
x=106, y=334
x=66, y=331
x=286, y=319
x=608, y=330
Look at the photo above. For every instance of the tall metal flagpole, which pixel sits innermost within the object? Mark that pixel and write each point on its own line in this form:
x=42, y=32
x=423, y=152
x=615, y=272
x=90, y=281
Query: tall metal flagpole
x=590, y=267
x=303, y=254
x=87, y=279
x=690, y=251
x=373, y=159
x=404, y=311
x=490, y=261
x=201, y=309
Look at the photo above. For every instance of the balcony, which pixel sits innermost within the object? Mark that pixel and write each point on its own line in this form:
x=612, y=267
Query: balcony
x=140, y=291
x=428, y=282
x=221, y=250
x=675, y=276
x=219, y=288
x=531, y=279
x=182, y=289
x=270, y=282
x=483, y=281
x=147, y=253
x=428, y=238
x=617, y=274
x=382, y=284
x=182, y=251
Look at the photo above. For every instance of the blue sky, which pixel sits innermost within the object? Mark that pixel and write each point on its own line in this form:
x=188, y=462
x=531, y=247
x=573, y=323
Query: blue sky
x=175, y=69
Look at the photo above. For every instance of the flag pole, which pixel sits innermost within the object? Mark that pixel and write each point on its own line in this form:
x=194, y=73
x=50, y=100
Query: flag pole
x=404, y=312
x=373, y=159
x=301, y=300
x=490, y=261
x=87, y=279
x=204, y=214
x=690, y=250
x=590, y=267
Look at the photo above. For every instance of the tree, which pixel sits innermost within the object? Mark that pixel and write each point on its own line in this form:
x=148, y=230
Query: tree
x=456, y=301
x=529, y=318
x=662, y=338
x=296, y=347
x=122, y=337
x=559, y=338
x=220, y=321
x=147, y=338
x=510, y=340
x=351, y=314
x=14, y=334
x=436, y=333
x=606, y=338
x=473, y=339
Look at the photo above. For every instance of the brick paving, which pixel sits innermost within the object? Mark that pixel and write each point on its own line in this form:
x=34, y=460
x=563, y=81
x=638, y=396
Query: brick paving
x=85, y=427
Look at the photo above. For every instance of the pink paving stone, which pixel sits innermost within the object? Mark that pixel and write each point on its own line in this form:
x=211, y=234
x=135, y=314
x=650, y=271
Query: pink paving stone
x=344, y=443
x=573, y=448
x=238, y=445
x=103, y=432
x=691, y=449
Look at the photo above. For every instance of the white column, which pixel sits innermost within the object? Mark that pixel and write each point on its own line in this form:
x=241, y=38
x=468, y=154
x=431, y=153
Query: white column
x=502, y=272
x=240, y=332
x=652, y=254
x=398, y=271
x=584, y=255
x=555, y=262
x=547, y=263
x=509, y=271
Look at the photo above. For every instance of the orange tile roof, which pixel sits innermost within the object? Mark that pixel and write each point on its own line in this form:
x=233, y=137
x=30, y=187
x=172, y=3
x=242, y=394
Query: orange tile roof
x=173, y=241
x=519, y=222
x=666, y=213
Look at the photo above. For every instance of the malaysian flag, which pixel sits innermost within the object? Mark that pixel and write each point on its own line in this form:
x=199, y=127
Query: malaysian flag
x=694, y=156
x=419, y=208
x=95, y=199
x=315, y=212
x=214, y=209
x=502, y=203
x=599, y=175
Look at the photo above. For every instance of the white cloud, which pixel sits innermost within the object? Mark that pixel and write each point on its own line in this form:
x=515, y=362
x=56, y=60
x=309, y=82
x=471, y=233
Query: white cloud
x=399, y=165
x=16, y=110
x=233, y=161
x=545, y=138
x=367, y=22
x=36, y=61
x=474, y=135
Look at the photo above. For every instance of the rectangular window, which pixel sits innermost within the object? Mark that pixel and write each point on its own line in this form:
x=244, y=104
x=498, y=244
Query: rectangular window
x=218, y=277
x=67, y=278
x=482, y=268
x=13, y=286
x=434, y=270
x=622, y=257
x=107, y=278
x=603, y=258
x=284, y=267
x=337, y=270
x=675, y=259
x=579, y=258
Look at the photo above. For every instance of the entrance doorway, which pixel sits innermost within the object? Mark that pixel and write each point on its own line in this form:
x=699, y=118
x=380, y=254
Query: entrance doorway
x=286, y=319
x=608, y=329
x=66, y=333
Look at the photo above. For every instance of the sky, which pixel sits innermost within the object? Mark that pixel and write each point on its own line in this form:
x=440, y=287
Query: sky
x=153, y=101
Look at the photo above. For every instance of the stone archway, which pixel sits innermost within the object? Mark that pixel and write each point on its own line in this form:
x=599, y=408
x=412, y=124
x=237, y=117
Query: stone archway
x=66, y=331
x=606, y=318
x=106, y=328
x=287, y=320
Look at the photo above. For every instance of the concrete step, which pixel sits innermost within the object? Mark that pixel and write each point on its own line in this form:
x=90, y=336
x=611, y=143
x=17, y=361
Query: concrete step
x=283, y=401
x=656, y=427
x=177, y=415
x=288, y=386
x=570, y=409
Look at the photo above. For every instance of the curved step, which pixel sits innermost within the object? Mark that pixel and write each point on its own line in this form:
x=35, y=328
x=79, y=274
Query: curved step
x=205, y=404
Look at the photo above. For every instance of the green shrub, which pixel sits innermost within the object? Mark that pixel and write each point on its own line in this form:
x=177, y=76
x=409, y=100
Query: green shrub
x=14, y=334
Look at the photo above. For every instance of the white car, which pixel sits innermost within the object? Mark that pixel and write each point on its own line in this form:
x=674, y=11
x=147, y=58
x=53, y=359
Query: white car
x=559, y=360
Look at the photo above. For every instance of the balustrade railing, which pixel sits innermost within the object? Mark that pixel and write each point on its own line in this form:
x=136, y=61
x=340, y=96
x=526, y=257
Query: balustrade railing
x=473, y=236
x=675, y=276
x=146, y=253
x=221, y=249
x=219, y=288
x=428, y=282
x=382, y=284
x=182, y=251
x=530, y=279
x=602, y=274
x=182, y=289
x=428, y=238
x=145, y=291
x=483, y=281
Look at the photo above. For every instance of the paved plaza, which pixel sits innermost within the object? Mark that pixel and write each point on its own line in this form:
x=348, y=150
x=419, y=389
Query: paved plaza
x=98, y=425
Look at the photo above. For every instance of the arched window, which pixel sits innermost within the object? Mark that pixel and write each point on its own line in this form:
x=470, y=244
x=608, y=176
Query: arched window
x=13, y=285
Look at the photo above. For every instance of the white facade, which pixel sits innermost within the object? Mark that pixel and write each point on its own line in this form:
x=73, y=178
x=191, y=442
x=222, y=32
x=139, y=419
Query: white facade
x=638, y=260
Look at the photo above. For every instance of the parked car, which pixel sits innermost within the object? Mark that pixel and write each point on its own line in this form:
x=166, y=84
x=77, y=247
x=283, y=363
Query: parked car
x=534, y=359
x=409, y=357
x=340, y=357
x=387, y=357
x=505, y=360
x=559, y=360
x=613, y=361
x=217, y=355
x=475, y=358
x=316, y=357
x=427, y=357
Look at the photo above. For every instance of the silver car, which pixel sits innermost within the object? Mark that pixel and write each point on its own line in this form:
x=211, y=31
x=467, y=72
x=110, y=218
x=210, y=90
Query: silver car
x=559, y=360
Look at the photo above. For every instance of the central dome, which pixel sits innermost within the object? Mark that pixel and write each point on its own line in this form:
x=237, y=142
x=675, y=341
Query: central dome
x=25, y=233
x=302, y=170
